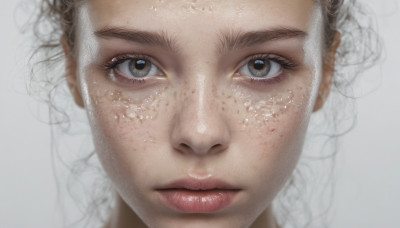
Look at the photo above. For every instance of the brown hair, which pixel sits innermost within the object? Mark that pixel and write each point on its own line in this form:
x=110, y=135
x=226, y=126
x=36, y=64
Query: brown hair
x=359, y=49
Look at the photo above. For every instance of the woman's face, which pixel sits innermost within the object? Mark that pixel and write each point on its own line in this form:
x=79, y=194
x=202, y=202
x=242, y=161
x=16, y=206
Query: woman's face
x=198, y=108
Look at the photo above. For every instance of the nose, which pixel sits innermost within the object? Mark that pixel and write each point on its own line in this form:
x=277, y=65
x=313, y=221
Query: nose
x=199, y=127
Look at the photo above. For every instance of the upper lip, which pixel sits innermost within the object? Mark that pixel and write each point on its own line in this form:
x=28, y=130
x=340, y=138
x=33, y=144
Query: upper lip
x=199, y=185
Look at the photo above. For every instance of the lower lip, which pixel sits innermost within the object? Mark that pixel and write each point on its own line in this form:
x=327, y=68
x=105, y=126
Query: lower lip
x=202, y=201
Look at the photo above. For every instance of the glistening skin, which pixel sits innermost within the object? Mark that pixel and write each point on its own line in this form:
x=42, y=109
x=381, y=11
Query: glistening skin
x=198, y=109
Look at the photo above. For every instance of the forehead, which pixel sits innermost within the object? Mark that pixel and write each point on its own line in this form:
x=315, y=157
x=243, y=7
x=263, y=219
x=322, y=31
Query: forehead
x=180, y=15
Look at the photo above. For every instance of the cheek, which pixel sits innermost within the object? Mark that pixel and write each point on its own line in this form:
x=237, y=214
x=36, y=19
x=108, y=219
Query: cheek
x=125, y=127
x=269, y=131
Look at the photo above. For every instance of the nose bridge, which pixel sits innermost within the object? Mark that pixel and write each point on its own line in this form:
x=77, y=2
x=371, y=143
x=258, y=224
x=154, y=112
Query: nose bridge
x=202, y=104
x=199, y=126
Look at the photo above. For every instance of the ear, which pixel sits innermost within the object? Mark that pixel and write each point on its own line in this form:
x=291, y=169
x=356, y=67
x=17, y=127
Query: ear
x=327, y=74
x=70, y=73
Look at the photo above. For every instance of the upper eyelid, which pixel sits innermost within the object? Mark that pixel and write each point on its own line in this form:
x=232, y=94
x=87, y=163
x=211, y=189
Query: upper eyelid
x=246, y=60
x=124, y=57
x=283, y=61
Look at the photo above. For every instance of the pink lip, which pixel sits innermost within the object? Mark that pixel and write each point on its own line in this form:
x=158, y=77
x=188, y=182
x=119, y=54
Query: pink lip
x=198, y=196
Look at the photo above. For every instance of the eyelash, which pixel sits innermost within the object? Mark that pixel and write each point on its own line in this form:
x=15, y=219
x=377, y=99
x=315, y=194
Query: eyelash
x=113, y=63
x=285, y=63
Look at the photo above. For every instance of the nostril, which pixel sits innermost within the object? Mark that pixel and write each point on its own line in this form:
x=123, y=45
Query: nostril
x=184, y=147
x=215, y=146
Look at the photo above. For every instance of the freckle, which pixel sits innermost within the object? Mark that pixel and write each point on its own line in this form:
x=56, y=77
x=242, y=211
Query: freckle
x=238, y=112
x=273, y=130
x=223, y=109
x=235, y=101
x=230, y=96
x=193, y=91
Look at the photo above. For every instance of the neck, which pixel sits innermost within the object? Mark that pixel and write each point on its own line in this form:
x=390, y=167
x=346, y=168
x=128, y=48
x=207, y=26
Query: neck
x=123, y=216
x=266, y=219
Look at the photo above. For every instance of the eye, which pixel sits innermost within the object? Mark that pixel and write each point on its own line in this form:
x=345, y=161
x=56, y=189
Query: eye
x=132, y=68
x=137, y=68
x=261, y=68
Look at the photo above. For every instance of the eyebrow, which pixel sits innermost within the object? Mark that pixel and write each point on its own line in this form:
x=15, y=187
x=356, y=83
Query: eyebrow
x=237, y=40
x=143, y=37
x=228, y=41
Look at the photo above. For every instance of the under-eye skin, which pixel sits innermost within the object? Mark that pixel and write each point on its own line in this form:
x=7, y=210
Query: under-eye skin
x=132, y=68
x=266, y=68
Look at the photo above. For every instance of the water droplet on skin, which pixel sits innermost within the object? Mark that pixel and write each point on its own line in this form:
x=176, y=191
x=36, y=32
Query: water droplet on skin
x=131, y=115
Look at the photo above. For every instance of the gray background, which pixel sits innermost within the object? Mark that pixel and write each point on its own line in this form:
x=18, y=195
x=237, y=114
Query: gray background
x=367, y=176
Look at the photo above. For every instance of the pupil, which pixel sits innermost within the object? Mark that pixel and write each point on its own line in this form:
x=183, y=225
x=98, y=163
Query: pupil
x=140, y=64
x=259, y=64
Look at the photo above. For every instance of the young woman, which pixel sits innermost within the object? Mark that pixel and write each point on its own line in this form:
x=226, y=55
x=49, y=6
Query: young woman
x=198, y=109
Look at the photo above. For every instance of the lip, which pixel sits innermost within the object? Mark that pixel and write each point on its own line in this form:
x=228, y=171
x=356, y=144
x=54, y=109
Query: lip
x=198, y=196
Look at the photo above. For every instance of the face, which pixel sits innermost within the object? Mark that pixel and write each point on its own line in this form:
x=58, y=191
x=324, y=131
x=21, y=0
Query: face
x=198, y=109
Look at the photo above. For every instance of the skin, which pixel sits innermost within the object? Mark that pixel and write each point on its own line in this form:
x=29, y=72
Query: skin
x=199, y=116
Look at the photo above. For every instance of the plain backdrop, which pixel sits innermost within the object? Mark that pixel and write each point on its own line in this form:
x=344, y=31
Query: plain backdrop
x=367, y=179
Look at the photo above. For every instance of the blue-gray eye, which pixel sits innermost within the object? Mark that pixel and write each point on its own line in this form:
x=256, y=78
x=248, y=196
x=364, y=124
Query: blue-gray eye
x=261, y=68
x=137, y=68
